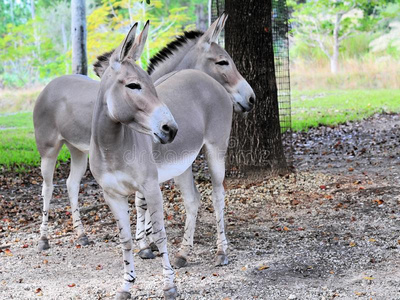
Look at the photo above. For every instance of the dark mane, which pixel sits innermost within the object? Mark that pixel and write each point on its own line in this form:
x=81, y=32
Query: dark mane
x=102, y=63
x=103, y=60
x=168, y=50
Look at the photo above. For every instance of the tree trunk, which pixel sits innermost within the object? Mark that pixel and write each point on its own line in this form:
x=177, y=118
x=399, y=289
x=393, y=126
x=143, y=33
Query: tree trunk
x=336, y=44
x=12, y=11
x=32, y=9
x=201, y=18
x=78, y=32
x=256, y=139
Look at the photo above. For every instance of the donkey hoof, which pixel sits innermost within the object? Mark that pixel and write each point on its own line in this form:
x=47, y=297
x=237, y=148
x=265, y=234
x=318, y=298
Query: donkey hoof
x=221, y=259
x=180, y=262
x=82, y=240
x=43, y=244
x=146, y=254
x=171, y=293
x=153, y=247
x=122, y=296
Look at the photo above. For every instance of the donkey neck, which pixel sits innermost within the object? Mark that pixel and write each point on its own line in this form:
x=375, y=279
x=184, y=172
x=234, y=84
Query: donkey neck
x=106, y=133
x=182, y=58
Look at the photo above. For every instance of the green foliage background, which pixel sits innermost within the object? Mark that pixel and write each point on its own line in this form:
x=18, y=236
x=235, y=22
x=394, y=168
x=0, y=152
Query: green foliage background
x=35, y=40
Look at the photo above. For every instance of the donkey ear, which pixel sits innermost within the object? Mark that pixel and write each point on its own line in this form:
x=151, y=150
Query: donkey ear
x=212, y=33
x=137, y=48
x=123, y=49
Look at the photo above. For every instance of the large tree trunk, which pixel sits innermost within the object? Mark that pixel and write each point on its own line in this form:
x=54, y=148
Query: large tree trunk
x=256, y=139
x=78, y=31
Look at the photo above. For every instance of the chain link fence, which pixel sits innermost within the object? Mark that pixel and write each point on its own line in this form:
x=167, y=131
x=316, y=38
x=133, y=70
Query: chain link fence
x=280, y=32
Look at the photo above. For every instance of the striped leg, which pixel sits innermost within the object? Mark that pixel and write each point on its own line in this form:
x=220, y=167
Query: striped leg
x=216, y=163
x=155, y=206
x=143, y=227
x=78, y=169
x=191, y=198
x=120, y=209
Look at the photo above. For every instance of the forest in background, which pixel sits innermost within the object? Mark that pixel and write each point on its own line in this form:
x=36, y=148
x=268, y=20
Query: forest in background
x=35, y=38
x=35, y=35
x=367, y=40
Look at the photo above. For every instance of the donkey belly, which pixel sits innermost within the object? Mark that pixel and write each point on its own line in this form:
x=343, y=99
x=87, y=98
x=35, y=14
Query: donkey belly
x=174, y=165
x=74, y=114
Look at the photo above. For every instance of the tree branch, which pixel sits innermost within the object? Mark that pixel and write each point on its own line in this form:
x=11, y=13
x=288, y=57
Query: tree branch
x=321, y=45
x=347, y=35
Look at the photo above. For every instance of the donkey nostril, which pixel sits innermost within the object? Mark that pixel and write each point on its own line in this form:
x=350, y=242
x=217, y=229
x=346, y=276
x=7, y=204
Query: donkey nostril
x=166, y=128
x=251, y=100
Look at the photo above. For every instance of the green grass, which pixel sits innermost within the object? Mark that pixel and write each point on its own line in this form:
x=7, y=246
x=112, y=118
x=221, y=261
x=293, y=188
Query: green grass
x=309, y=109
x=17, y=142
x=322, y=107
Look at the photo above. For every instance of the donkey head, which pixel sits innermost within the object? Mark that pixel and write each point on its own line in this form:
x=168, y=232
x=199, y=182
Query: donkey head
x=216, y=62
x=129, y=92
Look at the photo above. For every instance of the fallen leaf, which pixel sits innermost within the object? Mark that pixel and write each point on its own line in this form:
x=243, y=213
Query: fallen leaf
x=78, y=246
x=263, y=267
x=38, y=290
x=45, y=261
x=286, y=228
x=322, y=187
x=71, y=285
x=244, y=269
x=378, y=201
x=372, y=240
x=215, y=274
x=295, y=202
x=25, y=246
x=351, y=169
x=352, y=244
x=368, y=278
x=8, y=252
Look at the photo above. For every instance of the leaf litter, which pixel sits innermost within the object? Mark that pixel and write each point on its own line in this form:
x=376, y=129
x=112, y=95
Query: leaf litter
x=338, y=219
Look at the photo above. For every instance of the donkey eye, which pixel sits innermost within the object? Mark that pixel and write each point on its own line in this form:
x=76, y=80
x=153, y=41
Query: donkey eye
x=222, y=63
x=134, y=86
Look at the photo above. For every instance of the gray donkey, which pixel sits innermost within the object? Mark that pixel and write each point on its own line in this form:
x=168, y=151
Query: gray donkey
x=128, y=115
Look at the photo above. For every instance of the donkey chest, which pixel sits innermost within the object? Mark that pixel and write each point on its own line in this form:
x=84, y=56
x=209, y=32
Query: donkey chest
x=119, y=182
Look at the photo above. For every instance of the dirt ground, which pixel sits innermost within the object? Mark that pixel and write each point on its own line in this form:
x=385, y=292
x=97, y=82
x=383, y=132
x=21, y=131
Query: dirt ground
x=329, y=231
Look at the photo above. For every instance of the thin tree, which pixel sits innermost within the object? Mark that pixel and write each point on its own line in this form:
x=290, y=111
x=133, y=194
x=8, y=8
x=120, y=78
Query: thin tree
x=78, y=33
x=256, y=141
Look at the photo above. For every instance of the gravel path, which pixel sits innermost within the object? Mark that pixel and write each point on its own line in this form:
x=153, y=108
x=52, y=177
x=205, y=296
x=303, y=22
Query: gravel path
x=330, y=231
